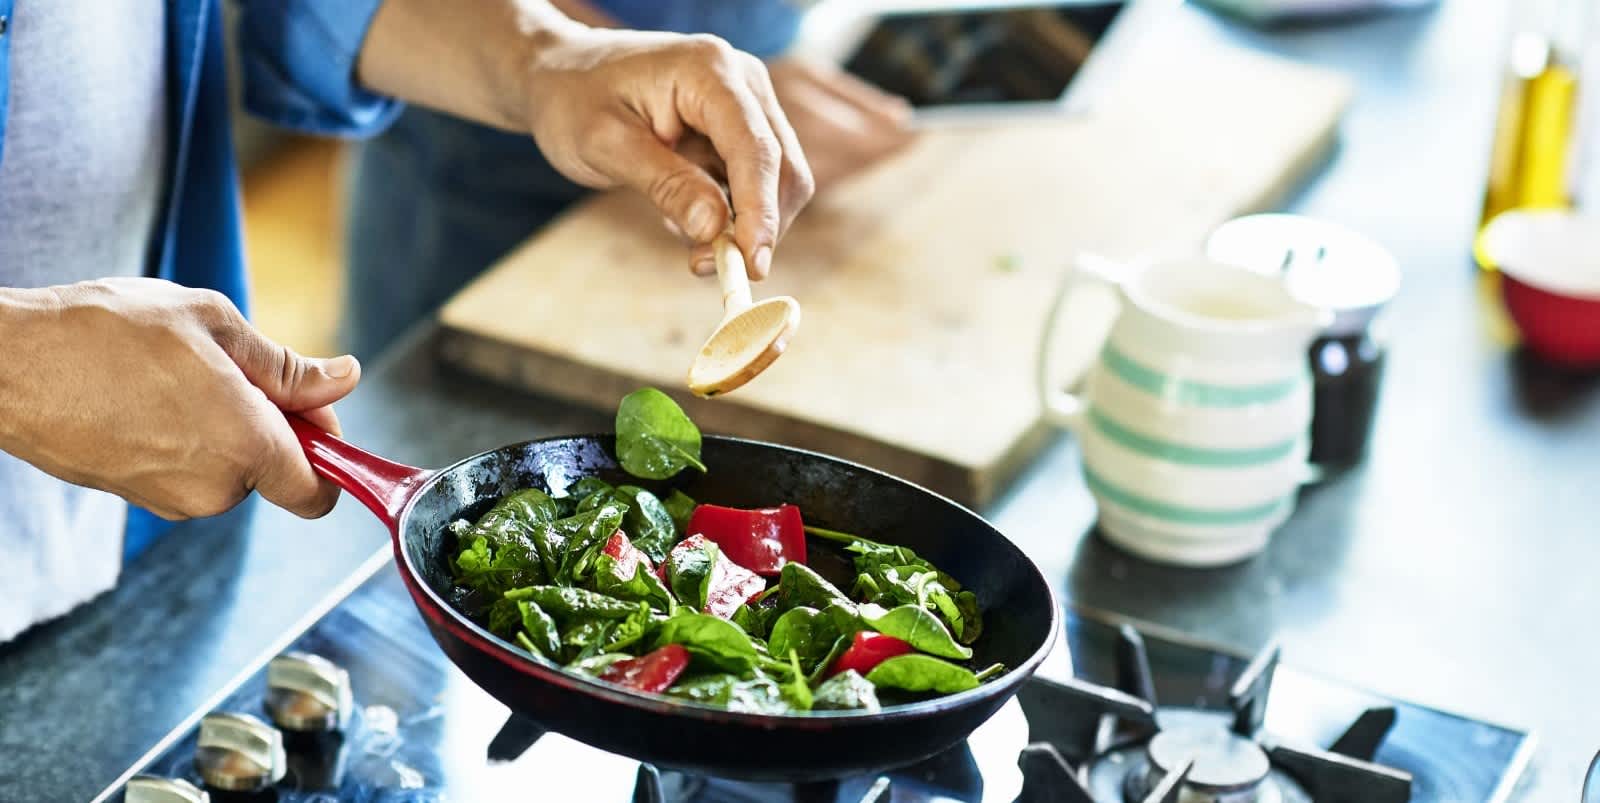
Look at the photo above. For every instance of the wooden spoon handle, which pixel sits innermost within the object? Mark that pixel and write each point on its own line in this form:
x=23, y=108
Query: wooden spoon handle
x=731, y=275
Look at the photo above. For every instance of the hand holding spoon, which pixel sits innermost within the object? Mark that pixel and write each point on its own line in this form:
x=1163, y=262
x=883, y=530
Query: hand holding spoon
x=750, y=336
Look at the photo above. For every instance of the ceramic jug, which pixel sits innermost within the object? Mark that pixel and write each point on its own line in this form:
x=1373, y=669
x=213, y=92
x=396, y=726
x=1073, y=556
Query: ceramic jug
x=1193, y=422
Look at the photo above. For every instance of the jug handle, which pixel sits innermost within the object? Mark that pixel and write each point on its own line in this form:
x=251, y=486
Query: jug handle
x=1064, y=407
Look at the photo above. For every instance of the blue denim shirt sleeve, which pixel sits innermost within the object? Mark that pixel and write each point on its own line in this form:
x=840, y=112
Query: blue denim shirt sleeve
x=298, y=59
x=299, y=56
x=762, y=27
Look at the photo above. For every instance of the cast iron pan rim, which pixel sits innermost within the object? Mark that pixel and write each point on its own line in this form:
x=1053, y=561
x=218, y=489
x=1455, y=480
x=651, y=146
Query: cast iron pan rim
x=489, y=644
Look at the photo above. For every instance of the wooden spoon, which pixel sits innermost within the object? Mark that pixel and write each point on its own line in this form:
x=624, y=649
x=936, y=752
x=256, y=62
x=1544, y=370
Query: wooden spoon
x=750, y=336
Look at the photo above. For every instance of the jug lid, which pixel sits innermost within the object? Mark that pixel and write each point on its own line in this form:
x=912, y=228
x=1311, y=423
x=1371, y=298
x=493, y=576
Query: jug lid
x=1321, y=263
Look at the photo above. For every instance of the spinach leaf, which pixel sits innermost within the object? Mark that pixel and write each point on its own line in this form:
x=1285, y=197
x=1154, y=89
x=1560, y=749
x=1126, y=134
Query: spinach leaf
x=796, y=692
x=643, y=586
x=474, y=559
x=550, y=541
x=839, y=646
x=811, y=633
x=566, y=506
x=895, y=575
x=539, y=633
x=712, y=642
x=567, y=603
x=915, y=626
x=707, y=689
x=504, y=618
x=584, y=491
x=689, y=573
x=655, y=440
x=933, y=595
x=840, y=619
x=602, y=498
x=632, y=629
x=756, y=617
x=794, y=634
x=527, y=644
x=922, y=673
x=589, y=532
x=898, y=585
x=680, y=507
x=799, y=585
x=595, y=664
x=758, y=695
x=586, y=637
x=498, y=552
x=493, y=570
x=871, y=553
x=648, y=523
x=515, y=515
x=990, y=672
x=846, y=691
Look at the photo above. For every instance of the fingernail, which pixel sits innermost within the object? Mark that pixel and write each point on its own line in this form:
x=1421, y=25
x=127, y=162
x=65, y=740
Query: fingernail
x=704, y=266
x=763, y=261
x=339, y=367
x=701, y=218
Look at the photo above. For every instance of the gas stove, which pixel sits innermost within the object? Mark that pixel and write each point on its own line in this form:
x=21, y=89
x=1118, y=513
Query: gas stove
x=364, y=707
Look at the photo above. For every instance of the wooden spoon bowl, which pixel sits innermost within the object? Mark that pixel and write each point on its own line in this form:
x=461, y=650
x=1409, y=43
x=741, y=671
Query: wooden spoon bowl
x=750, y=336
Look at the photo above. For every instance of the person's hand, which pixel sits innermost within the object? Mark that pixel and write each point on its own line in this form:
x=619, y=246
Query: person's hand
x=162, y=395
x=844, y=123
x=607, y=107
x=611, y=107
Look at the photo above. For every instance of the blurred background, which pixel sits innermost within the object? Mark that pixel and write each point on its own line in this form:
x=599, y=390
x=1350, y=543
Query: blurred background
x=293, y=227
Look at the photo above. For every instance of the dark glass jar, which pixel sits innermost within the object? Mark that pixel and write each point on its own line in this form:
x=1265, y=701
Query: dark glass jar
x=1327, y=265
x=1346, y=371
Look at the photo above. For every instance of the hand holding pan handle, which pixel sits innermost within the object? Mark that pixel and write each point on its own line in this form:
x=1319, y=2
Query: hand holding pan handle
x=384, y=486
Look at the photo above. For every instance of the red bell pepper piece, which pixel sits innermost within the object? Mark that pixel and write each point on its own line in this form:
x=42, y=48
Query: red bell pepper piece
x=731, y=584
x=626, y=555
x=867, y=650
x=761, y=540
x=653, y=672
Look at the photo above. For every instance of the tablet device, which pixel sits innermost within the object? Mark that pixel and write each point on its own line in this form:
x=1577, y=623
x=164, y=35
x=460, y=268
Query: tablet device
x=994, y=60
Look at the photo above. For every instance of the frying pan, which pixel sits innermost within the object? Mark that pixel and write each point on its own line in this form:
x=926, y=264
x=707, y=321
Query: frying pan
x=1020, y=614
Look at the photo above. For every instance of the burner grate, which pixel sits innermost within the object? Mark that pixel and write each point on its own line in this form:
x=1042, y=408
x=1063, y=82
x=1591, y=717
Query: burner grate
x=1127, y=748
x=1097, y=744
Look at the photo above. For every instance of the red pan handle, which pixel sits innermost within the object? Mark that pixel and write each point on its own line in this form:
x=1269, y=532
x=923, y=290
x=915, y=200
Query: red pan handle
x=384, y=486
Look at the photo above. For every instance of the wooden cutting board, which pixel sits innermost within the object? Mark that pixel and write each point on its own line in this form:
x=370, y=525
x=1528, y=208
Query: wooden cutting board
x=924, y=283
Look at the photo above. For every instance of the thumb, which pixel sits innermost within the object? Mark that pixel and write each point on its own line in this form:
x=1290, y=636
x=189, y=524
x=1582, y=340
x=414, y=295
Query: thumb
x=290, y=381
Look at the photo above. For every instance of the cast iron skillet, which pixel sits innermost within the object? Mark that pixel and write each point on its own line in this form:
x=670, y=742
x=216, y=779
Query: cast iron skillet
x=1019, y=611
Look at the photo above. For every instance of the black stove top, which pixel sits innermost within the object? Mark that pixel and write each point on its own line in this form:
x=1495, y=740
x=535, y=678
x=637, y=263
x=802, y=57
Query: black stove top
x=1116, y=714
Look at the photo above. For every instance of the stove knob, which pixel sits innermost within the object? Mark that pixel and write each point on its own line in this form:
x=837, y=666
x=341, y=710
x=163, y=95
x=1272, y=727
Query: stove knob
x=239, y=753
x=307, y=692
x=151, y=789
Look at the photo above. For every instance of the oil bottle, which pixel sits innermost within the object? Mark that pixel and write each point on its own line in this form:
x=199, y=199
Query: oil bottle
x=1540, y=133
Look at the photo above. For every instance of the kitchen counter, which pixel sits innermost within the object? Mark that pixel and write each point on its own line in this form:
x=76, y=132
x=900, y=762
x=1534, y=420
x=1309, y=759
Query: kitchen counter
x=1453, y=568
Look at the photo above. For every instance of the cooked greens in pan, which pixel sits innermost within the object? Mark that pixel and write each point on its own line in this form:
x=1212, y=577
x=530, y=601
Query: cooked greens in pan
x=711, y=604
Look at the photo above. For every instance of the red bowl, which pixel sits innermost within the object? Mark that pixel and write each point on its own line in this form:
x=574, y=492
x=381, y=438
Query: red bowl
x=1561, y=328
x=1549, y=261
